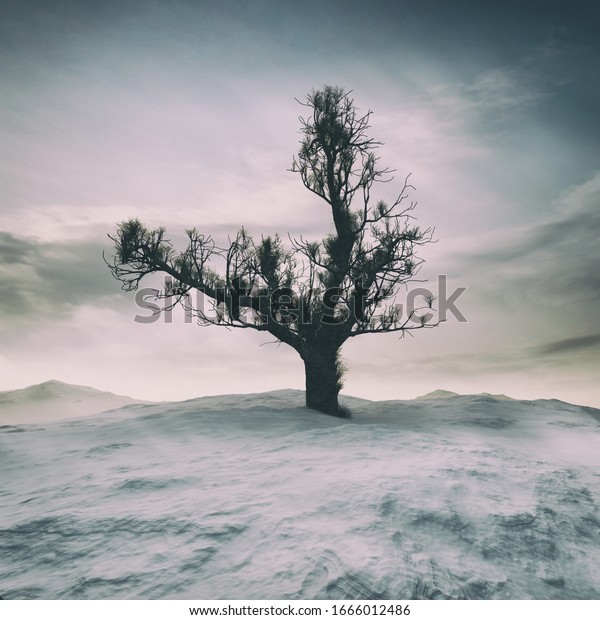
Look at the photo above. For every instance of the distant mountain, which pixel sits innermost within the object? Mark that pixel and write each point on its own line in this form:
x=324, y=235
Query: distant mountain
x=447, y=394
x=55, y=400
x=437, y=394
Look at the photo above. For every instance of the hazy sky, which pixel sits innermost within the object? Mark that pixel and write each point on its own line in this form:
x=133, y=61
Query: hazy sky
x=184, y=114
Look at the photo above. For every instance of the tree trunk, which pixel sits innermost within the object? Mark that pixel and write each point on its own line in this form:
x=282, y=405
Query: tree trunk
x=323, y=380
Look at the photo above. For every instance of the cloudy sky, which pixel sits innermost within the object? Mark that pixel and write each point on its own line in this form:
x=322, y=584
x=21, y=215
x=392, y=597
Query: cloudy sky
x=183, y=113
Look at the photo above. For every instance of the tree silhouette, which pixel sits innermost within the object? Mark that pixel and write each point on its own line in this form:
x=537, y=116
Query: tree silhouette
x=310, y=295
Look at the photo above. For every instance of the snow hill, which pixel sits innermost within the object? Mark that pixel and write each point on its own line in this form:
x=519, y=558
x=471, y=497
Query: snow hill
x=256, y=497
x=54, y=400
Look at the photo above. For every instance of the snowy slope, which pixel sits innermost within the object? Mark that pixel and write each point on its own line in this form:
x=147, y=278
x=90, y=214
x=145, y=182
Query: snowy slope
x=54, y=400
x=254, y=496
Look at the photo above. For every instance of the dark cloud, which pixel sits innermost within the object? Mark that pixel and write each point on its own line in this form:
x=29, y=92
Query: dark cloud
x=14, y=250
x=440, y=25
x=555, y=259
x=569, y=345
x=50, y=279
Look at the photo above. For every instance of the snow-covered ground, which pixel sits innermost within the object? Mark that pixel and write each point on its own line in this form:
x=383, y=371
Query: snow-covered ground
x=254, y=496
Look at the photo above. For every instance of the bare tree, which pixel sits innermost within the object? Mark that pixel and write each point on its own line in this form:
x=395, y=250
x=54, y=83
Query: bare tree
x=310, y=295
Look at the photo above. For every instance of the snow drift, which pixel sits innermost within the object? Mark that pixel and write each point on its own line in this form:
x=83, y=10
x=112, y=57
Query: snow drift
x=255, y=496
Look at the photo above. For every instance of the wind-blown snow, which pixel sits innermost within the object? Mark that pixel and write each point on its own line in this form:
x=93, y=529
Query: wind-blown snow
x=256, y=496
